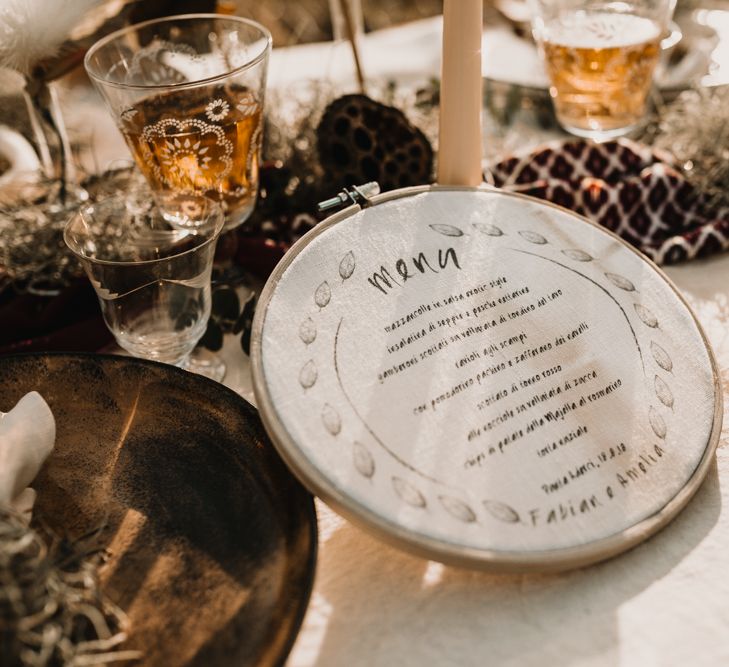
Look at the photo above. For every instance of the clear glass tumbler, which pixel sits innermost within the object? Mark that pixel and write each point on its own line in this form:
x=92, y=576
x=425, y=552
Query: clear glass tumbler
x=600, y=57
x=152, y=279
x=187, y=93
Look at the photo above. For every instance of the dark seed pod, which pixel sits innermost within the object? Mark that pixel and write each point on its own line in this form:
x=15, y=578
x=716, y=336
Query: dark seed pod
x=361, y=140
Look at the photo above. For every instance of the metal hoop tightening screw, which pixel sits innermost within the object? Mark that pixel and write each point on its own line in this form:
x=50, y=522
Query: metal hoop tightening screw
x=355, y=194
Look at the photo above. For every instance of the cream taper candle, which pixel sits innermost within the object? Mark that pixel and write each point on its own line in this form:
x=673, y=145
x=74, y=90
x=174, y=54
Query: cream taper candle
x=459, y=153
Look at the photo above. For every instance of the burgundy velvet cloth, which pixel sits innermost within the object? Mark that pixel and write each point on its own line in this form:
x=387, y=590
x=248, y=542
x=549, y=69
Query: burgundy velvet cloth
x=627, y=187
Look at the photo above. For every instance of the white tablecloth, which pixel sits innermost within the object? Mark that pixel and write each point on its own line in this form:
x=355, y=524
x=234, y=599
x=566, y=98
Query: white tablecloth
x=664, y=603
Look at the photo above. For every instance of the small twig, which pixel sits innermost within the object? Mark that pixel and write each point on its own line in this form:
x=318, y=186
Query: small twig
x=352, y=36
x=102, y=658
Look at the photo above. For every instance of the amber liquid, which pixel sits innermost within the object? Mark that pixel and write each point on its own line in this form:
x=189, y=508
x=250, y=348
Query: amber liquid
x=600, y=66
x=199, y=142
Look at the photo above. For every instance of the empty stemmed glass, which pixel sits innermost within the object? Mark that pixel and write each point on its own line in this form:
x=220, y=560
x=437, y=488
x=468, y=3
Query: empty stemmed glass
x=152, y=278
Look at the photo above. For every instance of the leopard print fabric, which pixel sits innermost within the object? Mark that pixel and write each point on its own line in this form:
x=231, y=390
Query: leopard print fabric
x=628, y=188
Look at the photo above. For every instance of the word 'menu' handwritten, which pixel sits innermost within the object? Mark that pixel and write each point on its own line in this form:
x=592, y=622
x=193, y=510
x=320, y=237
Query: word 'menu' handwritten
x=384, y=280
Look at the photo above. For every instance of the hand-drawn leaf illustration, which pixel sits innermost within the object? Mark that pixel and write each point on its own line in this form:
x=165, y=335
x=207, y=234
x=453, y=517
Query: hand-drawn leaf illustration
x=533, y=237
x=661, y=357
x=488, y=229
x=307, y=331
x=501, y=511
x=363, y=460
x=346, y=266
x=620, y=282
x=657, y=423
x=457, y=508
x=330, y=418
x=646, y=316
x=323, y=294
x=408, y=493
x=542, y=215
x=665, y=395
x=577, y=255
x=308, y=374
x=447, y=230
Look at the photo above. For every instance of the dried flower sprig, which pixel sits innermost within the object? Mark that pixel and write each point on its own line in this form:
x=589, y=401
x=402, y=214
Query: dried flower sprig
x=51, y=609
x=32, y=253
x=33, y=257
x=695, y=129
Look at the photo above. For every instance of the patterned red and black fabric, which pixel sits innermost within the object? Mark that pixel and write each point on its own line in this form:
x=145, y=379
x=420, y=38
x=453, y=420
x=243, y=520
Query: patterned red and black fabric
x=628, y=188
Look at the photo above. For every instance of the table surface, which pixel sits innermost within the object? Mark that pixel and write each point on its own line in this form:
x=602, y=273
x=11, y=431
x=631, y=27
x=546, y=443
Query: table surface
x=664, y=603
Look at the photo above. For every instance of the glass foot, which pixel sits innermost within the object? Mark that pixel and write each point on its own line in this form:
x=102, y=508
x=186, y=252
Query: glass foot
x=597, y=133
x=207, y=363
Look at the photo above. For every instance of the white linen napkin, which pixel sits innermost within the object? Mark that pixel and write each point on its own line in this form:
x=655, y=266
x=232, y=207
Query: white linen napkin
x=27, y=436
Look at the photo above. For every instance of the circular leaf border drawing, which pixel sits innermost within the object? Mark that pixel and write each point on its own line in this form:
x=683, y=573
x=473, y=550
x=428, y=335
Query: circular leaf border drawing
x=457, y=509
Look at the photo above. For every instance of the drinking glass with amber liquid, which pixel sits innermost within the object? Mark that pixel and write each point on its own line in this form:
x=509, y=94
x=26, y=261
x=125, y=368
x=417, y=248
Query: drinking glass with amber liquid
x=187, y=93
x=600, y=58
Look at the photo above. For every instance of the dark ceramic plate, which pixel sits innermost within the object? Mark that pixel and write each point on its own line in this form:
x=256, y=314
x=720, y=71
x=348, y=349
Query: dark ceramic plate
x=212, y=541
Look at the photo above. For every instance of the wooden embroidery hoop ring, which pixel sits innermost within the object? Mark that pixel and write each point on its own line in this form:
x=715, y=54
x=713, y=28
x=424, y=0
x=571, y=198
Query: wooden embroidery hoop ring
x=489, y=560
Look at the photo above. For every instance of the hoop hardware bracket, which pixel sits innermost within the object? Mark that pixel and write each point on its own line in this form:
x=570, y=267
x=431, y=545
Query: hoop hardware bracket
x=355, y=194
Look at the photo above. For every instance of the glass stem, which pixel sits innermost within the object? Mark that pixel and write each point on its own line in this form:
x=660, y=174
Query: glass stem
x=51, y=140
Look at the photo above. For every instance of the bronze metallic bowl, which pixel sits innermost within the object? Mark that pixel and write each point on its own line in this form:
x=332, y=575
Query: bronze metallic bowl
x=211, y=541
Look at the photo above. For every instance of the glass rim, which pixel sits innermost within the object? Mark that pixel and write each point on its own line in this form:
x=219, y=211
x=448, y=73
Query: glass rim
x=219, y=225
x=104, y=41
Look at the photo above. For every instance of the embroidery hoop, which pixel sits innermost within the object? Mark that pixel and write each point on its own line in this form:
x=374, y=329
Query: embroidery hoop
x=320, y=481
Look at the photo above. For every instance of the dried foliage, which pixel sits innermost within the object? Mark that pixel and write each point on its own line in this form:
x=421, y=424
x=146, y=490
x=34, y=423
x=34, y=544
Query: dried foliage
x=51, y=609
x=695, y=129
x=33, y=256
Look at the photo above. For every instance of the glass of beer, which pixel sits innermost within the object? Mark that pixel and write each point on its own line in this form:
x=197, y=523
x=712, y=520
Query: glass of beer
x=600, y=58
x=187, y=93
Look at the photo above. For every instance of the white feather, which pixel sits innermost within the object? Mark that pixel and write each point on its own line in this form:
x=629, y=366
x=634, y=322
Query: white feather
x=31, y=30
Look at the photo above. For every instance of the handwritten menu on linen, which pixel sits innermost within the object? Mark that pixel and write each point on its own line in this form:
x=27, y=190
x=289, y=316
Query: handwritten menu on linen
x=488, y=371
